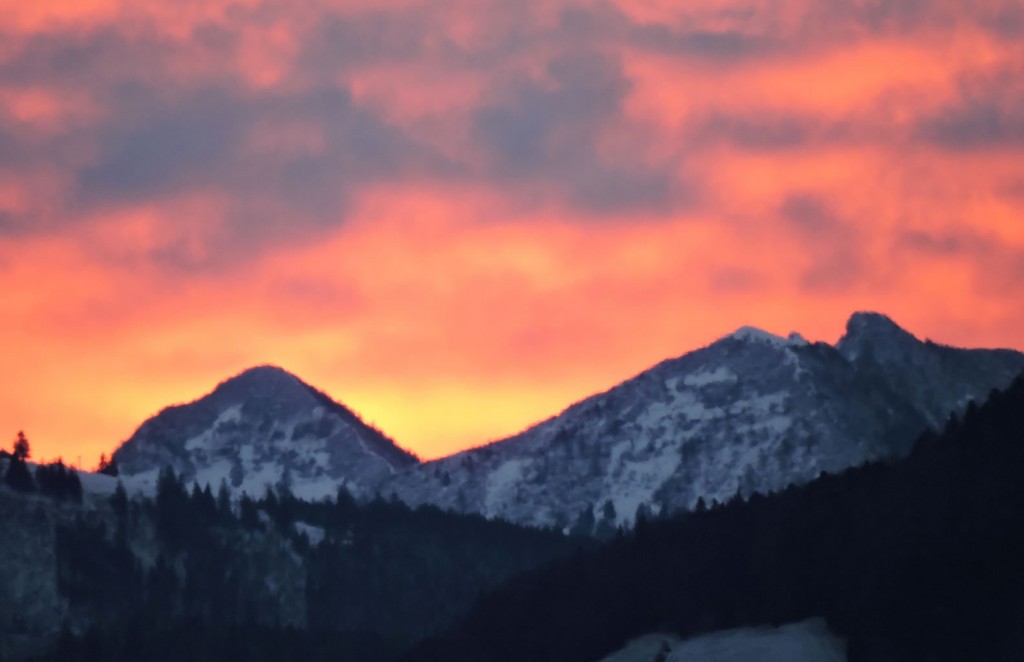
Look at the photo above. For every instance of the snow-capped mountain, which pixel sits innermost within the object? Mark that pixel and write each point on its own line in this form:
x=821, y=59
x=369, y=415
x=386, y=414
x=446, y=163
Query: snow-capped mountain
x=752, y=412
x=264, y=427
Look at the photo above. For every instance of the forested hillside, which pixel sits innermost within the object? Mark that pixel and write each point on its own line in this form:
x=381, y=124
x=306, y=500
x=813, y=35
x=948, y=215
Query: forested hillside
x=918, y=559
x=190, y=575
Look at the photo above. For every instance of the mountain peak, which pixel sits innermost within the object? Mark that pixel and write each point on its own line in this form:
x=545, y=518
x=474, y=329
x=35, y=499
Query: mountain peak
x=874, y=331
x=264, y=426
x=867, y=321
x=751, y=334
x=263, y=371
x=267, y=388
x=265, y=376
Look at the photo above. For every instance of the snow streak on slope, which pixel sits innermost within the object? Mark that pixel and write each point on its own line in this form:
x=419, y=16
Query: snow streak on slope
x=808, y=641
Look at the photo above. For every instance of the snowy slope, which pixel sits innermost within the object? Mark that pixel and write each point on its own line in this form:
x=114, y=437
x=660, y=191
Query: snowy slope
x=751, y=412
x=262, y=428
x=808, y=641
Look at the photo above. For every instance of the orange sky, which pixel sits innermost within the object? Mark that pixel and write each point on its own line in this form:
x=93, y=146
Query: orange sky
x=459, y=217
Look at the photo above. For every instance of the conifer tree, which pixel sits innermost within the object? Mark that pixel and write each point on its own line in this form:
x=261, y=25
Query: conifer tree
x=224, y=501
x=59, y=481
x=247, y=512
x=21, y=448
x=119, y=500
x=171, y=508
x=18, y=476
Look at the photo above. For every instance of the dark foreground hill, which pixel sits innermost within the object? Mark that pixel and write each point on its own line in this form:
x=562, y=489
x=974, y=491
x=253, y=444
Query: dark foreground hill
x=189, y=576
x=917, y=559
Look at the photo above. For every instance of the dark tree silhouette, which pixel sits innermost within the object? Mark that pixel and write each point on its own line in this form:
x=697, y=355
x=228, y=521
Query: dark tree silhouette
x=108, y=466
x=18, y=476
x=59, y=481
x=247, y=513
x=224, y=502
x=21, y=447
x=119, y=500
x=171, y=509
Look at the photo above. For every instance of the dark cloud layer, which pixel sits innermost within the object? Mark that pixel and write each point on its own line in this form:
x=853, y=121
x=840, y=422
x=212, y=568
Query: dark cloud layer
x=552, y=120
x=976, y=124
x=549, y=133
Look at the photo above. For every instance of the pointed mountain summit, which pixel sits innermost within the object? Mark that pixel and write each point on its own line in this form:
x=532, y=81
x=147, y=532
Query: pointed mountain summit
x=263, y=428
x=877, y=334
x=752, y=412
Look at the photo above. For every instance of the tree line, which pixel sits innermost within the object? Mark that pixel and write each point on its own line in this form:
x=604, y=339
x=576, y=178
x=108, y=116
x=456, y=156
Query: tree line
x=370, y=578
x=54, y=480
x=918, y=559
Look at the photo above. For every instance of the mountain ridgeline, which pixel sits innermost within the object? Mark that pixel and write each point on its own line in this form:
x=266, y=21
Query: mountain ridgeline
x=907, y=559
x=757, y=481
x=752, y=412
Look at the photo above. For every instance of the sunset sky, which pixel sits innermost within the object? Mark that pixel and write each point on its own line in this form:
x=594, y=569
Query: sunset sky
x=459, y=217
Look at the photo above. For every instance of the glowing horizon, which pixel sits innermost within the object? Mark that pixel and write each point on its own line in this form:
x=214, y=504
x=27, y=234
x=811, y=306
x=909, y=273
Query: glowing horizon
x=508, y=407
x=458, y=218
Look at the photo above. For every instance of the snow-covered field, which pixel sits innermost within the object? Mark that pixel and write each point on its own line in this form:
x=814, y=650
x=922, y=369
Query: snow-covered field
x=807, y=641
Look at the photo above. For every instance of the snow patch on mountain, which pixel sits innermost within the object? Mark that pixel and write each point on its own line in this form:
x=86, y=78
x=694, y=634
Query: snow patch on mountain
x=716, y=376
x=635, y=480
x=753, y=334
x=314, y=534
x=807, y=641
x=503, y=482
